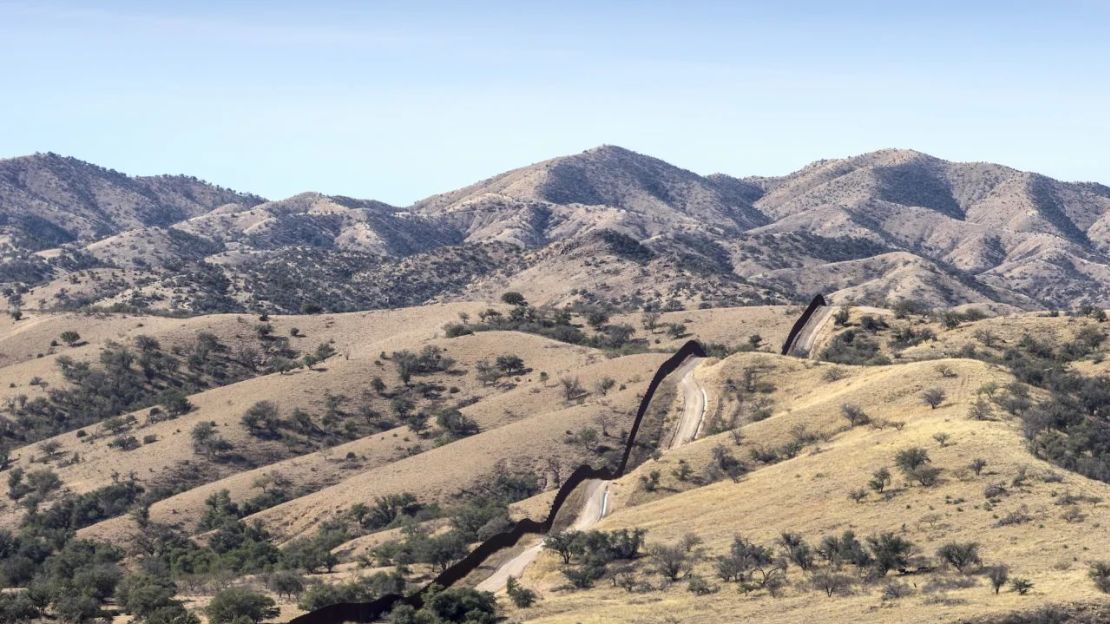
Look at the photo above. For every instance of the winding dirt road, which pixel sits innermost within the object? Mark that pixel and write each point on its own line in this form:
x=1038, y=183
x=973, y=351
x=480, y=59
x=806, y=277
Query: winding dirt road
x=809, y=333
x=593, y=510
x=820, y=325
x=693, y=405
x=596, y=504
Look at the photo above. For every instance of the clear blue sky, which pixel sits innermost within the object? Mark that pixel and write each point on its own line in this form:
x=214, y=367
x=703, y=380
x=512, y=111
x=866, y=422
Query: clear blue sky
x=396, y=101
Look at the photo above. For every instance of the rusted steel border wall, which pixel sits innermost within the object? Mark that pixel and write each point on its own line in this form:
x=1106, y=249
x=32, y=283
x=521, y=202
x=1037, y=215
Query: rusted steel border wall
x=800, y=324
x=376, y=609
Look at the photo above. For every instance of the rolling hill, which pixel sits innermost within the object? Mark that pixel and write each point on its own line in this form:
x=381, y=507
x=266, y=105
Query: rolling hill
x=214, y=397
x=408, y=432
x=589, y=228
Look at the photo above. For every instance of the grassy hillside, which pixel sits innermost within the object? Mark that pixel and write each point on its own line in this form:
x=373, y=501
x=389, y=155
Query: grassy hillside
x=322, y=458
x=102, y=414
x=1044, y=525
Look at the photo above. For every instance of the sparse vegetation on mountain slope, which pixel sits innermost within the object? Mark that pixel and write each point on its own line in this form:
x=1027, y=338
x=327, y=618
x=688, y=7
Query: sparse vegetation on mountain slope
x=888, y=225
x=308, y=526
x=200, y=442
x=931, y=540
x=303, y=455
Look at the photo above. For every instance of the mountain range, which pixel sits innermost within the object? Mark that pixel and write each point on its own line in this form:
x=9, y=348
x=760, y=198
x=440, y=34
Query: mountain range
x=606, y=225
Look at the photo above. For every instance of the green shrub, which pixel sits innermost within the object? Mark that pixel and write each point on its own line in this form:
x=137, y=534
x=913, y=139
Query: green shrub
x=889, y=552
x=521, y=596
x=961, y=556
x=1100, y=574
x=853, y=347
x=237, y=605
x=285, y=583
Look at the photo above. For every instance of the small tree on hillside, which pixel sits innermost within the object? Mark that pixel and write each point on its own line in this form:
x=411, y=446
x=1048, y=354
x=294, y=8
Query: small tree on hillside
x=889, y=551
x=980, y=410
x=880, y=479
x=510, y=364
x=262, y=420
x=684, y=471
x=238, y=605
x=672, y=561
x=51, y=447
x=282, y=365
x=406, y=364
x=855, y=414
x=604, y=385
x=961, y=556
x=797, y=549
x=563, y=543
x=986, y=336
x=989, y=389
x=1100, y=574
x=441, y=551
x=1021, y=585
x=945, y=371
x=175, y=402
x=286, y=583
x=933, y=397
x=830, y=582
x=324, y=351
x=587, y=437
x=521, y=596
x=572, y=388
x=727, y=463
x=597, y=318
x=605, y=420
x=456, y=424
x=927, y=476
x=911, y=459
x=377, y=385
x=207, y=441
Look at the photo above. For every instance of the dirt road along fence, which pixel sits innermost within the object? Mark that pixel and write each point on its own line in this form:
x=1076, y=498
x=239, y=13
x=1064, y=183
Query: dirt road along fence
x=376, y=609
x=791, y=338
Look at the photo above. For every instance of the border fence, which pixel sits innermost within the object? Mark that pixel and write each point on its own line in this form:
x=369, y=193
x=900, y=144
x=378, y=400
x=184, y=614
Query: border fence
x=377, y=609
x=800, y=324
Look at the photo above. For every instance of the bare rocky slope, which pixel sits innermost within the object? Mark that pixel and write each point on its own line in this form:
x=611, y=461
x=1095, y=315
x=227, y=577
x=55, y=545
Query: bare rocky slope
x=606, y=225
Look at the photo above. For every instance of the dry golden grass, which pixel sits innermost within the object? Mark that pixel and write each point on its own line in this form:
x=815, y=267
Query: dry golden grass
x=728, y=326
x=1006, y=330
x=523, y=422
x=437, y=474
x=808, y=494
x=307, y=389
x=359, y=337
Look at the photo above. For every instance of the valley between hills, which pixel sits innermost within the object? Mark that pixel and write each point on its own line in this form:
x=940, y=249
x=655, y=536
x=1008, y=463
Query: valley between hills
x=217, y=406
